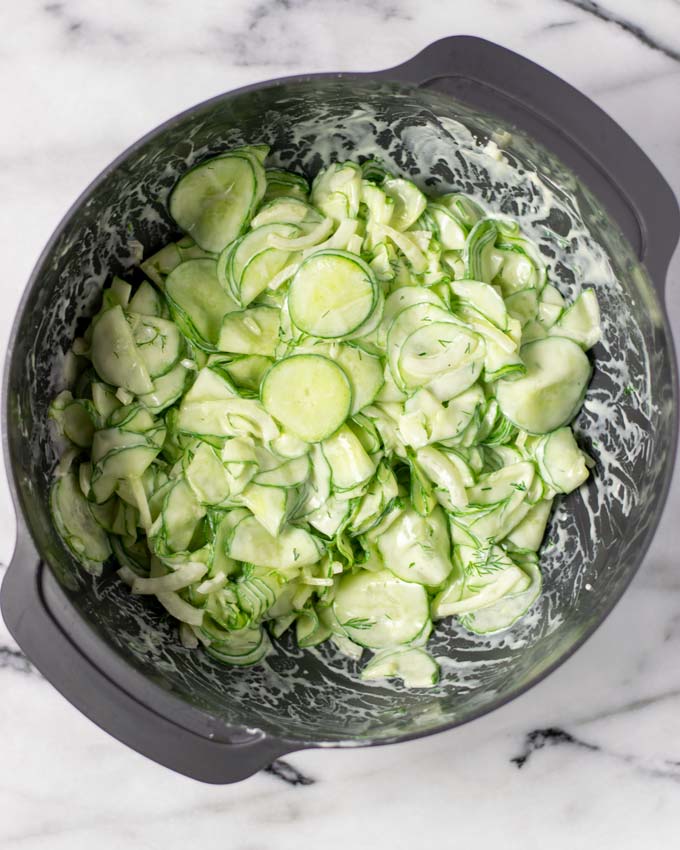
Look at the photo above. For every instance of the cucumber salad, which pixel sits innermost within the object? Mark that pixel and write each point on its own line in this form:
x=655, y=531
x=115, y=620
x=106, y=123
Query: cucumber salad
x=341, y=409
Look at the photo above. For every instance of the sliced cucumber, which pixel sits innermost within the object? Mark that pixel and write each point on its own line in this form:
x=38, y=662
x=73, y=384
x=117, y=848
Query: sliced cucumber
x=308, y=394
x=166, y=390
x=441, y=355
x=580, y=322
x=76, y=525
x=413, y=666
x=336, y=190
x=561, y=463
x=349, y=463
x=247, y=371
x=478, y=254
x=198, y=302
x=206, y=475
x=158, y=342
x=529, y=533
x=510, y=607
x=417, y=548
x=285, y=184
x=269, y=506
x=482, y=298
x=332, y=294
x=146, y=301
x=251, y=331
x=292, y=547
x=551, y=392
x=115, y=355
x=409, y=202
x=241, y=648
x=482, y=577
x=247, y=267
x=213, y=201
x=379, y=610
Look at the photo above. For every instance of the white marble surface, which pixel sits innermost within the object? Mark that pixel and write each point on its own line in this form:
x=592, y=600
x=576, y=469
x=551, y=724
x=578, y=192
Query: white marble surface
x=83, y=79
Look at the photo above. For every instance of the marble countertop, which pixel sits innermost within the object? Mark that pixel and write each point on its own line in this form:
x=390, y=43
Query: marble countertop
x=590, y=757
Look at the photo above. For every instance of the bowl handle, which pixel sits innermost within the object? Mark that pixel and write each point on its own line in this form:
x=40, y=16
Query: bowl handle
x=49, y=648
x=569, y=124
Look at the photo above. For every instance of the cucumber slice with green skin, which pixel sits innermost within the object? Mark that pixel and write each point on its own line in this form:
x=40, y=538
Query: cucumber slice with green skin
x=561, y=464
x=247, y=267
x=206, y=475
x=466, y=211
x=405, y=323
x=308, y=394
x=580, y=322
x=446, y=357
x=286, y=210
x=104, y=400
x=75, y=417
x=285, y=183
x=364, y=370
x=477, y=254
x=146, y=301
x=523, y=305
x=509, y=608
x=214, y=200
x=291, y=473
x=158, y=342
x=198, y=302
x=179, y=517
x=241, y=648
x=482, y=577
x=347, y=459
x=247, y=371
x=529, y=533
x=166, y=390
x=550, y=306
x=413, y=666
x=336, y=190
x=552, y=391
x=269, y=506
x=251, y=331
x=115, y=355
x=450, y=232
x=378, y=610
x=400, y=299
x=122, y=463
x=445, y=475
x=291, y=548
x=134, y=556
x=409, y=202
x=484, y=299
x=332, y=294
x=365, y=373
x=76, y=525
x=331, y=517
x=417, y=548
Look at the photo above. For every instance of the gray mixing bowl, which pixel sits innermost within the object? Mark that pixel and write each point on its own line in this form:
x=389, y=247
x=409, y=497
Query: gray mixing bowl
x=602, y=215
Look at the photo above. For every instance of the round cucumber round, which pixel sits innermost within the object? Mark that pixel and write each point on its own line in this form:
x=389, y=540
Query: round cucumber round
x=308, y=394
x=332, y=294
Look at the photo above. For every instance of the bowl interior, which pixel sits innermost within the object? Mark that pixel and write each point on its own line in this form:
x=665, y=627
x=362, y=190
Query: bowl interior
x=596, y=534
